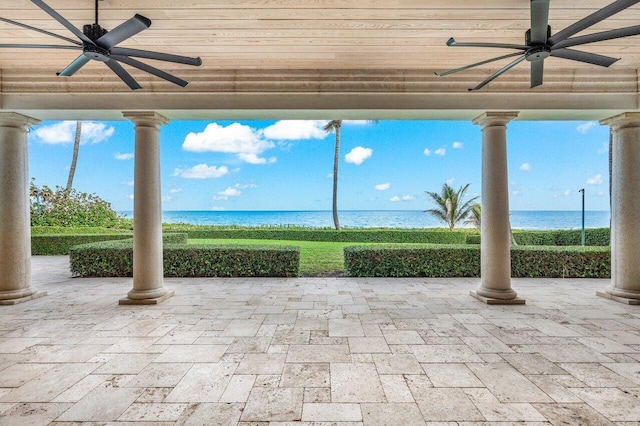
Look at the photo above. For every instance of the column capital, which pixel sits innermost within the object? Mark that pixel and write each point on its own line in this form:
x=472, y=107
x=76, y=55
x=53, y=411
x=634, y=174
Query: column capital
x=495, y=118
x=146, y=118
x=626, y=119
x=13, y=119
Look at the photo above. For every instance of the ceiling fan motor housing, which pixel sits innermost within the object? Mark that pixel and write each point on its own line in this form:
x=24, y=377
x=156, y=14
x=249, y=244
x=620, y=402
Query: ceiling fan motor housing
x=527, y=36
x=93, y=31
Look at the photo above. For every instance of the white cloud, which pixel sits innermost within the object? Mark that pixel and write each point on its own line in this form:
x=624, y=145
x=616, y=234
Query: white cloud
x=457, y=145
x=130, y=196
x=201, y=171
x=585, y=127
x=596, y=180
x=450, y=181
x=245, y=141
x=175, y=191
x=229, y=192
x=128, y=183
x=65, y=132
x=427, y=152
x=357, y=122
x=396, y=198
x=567, y=192
x=440, y=152
x=383, y=186
x=125, y=156
x=233, y=191
x=358, y=155
x=525, y=167
x=217, y=208
x=167, y=198
x=296, y=130
x=604, y=148
x=600, y=194
x=516, y=192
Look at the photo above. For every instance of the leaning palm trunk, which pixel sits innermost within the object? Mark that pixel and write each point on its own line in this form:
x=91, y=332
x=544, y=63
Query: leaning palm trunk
x=336, y=160
x=74, y=160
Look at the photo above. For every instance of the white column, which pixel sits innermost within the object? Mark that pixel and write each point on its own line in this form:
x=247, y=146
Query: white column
x=625, y=209
x=148, y=287
x=15, y=227
x=495, y=266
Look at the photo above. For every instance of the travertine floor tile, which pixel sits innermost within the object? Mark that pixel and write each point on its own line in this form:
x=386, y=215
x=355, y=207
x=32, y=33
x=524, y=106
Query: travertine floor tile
x=355, y=383
x=210, y=414
x=305, y=375
x=451, y=376
x=203, y=383
x=102, y=404
x=273, y=404
x=331, y=412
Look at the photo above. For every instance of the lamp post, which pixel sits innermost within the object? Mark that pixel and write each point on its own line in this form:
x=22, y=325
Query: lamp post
x=582, y=233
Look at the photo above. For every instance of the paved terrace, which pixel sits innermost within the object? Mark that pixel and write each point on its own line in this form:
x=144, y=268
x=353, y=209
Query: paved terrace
x=322, y=351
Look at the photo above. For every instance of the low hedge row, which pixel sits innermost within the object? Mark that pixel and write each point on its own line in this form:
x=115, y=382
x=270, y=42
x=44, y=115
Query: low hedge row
x=464, y=261
x=115, y=259
x=79, y=230
x=560, y=237
x=59, y=245
x=432, y=236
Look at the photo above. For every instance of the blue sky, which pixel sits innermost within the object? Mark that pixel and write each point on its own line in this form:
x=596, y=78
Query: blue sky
x=287, y=165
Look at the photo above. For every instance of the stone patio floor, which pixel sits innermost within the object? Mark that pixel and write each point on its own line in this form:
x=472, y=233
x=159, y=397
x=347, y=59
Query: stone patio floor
x=316, y=351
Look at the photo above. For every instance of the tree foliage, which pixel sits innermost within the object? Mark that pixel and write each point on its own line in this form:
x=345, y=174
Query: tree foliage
x=61, y=207
x=451, y=207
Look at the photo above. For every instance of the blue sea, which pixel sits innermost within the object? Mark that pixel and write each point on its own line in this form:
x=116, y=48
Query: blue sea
x=377, y=218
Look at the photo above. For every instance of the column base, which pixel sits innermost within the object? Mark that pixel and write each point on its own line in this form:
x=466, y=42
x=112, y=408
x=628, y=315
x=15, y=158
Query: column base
x=34, y=295
x=619, y=299
x=150, y=301
x=493, y=301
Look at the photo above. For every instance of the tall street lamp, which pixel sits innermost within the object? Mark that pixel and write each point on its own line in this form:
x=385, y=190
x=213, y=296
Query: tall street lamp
x=582, y=234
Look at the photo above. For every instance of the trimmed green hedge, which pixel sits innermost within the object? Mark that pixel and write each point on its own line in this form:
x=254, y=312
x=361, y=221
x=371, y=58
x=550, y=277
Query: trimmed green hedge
x=79, y=230
x=560, y=237
x=115, y=259
x=431, y=236
x=464, y=261
x=59, y=245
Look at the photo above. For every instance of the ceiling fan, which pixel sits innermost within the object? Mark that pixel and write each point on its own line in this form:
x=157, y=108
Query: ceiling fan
x=540, y=44
x=98, y=44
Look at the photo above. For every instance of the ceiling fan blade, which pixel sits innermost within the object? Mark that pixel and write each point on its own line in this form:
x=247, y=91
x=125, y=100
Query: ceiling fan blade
x=74, y=66
x=601, y=36
x=151, y=70
x=539, y=21
x=537, y=71
x=477, y=64
x=124, y=51
x=499, y=73
x=40, y=46
x=452, y=42
x=55, y=15
x=127, y=29
x=580, y=56
x=123, y=74
x=29, y=27
x=592, y=19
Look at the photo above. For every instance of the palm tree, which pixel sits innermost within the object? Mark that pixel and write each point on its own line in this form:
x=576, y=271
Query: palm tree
x=74, y=160
x=334, y=125
x=451, y=206
x=475, y=216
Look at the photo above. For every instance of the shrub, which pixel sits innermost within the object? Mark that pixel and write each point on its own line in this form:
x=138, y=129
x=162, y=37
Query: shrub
x=433, y=236
x=464, y=261
x=60, y=207
x=559, y=237
x=115, y=259
x=59, y=245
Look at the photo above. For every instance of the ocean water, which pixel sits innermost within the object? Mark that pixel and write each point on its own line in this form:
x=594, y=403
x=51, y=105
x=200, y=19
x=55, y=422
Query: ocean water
x=377, y=218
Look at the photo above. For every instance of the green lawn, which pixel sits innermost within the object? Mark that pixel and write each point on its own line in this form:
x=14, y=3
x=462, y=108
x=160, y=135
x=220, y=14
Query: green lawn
x=317, y=259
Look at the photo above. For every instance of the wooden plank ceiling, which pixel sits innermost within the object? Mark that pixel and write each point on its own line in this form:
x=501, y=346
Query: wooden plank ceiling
x=313, y=34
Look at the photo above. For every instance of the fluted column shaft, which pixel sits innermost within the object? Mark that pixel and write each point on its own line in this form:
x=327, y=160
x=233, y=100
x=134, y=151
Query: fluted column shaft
x=495, y=266
x=148, y=286
x=15, y=227
x=625, y=208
